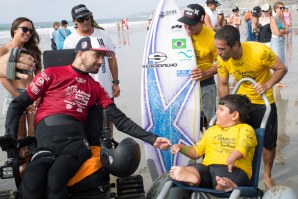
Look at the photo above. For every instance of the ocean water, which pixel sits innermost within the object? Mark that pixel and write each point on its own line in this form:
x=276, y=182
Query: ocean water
x=45, y=27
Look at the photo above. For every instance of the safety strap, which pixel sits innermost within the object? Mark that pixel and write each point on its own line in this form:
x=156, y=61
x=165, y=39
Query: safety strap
x=11, y=66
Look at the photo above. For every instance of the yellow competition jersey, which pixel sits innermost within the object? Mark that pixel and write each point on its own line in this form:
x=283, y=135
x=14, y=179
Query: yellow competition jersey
x=217, y=144
x=255, y=63
x=204, y=48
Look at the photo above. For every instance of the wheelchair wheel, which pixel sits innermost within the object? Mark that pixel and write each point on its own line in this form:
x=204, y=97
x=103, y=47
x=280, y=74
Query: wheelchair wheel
x=175, y=192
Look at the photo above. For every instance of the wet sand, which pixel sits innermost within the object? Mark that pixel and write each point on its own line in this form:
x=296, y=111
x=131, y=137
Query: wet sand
x=285, y=170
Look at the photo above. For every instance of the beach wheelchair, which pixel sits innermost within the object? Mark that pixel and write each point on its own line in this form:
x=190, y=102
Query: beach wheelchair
x=166, y=188
x=92, y=181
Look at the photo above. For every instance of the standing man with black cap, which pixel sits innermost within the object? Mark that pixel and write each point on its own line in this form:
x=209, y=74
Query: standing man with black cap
x=86, y=26
x=205, y=51
x=211, y=14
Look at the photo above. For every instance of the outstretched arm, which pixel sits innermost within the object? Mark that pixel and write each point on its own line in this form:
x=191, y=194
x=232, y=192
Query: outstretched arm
x=188, y=151
x=126, y=125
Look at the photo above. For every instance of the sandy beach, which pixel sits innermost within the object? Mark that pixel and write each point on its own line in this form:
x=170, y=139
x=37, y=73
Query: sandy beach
x=285, y=170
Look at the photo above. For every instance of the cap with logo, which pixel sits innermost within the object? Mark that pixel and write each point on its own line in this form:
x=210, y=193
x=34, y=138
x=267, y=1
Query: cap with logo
x=256, y=11
x=193, y=14
x=80, y=11
x=266, y=7
x=235, y=8
x=215, y=2
x=93, y=43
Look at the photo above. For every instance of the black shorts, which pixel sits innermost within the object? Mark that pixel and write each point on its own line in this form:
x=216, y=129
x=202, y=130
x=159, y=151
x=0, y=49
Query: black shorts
x=208, y=174
x=256, y=117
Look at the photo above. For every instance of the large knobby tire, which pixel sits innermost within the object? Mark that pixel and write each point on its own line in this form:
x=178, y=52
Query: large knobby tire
x=175, y=192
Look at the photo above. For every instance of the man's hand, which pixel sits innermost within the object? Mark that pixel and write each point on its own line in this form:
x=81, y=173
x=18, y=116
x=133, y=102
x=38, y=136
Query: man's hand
x=162, y=143
x=24, y=62
x=260, y=88
x=116, y=90
x=197, y=74
x=175, y=149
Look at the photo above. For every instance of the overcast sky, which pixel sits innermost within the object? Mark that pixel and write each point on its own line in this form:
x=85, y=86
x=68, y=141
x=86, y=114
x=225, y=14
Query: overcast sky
x=56, y=10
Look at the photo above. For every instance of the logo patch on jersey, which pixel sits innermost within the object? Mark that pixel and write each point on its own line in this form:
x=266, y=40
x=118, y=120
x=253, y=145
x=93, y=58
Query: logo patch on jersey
x=80, y=80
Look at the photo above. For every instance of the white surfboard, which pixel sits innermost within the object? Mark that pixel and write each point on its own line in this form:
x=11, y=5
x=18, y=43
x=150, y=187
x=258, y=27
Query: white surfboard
x=170, y=98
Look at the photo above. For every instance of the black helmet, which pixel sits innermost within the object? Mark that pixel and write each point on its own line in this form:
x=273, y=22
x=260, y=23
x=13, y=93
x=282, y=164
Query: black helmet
x=123, y=160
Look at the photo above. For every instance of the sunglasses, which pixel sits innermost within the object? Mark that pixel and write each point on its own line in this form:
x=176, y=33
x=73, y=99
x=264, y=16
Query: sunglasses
x=265, y=11
x=282, y=8
x=25, y=29
x=82, y=19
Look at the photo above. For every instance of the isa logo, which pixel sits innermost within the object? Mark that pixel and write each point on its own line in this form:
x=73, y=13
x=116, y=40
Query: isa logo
x=183, y=73
x=178, y=43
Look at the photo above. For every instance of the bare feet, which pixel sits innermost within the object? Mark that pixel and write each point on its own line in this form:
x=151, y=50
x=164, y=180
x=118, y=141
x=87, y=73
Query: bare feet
x=224, y=184
x=185, y=174
x=269, y=182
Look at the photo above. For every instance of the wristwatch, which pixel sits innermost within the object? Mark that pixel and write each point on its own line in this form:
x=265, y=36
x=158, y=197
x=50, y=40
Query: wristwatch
x=115, y=81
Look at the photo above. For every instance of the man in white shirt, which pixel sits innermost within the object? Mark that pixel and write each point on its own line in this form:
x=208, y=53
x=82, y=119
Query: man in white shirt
x=86, y=26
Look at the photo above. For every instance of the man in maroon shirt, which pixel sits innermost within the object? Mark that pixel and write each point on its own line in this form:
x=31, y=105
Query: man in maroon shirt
x=66, y=93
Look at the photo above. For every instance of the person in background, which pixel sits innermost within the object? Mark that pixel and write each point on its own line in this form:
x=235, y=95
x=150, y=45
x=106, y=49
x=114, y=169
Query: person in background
x=265, y=32
x=61, y=34
x=108, y=74
x=279, y=30
x=203, y=43
x=125, y=33
x=220, y=18
x=23, y=35
x=211, y=14
x=247, y=18
x=62, y=146
x=235, y=19
x=256, y=14
x=288, y=20
x=56, y=25
x=253, y=60
x=228, y=149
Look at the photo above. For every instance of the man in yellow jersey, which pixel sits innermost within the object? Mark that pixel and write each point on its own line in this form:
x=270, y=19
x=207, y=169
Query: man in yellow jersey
x=254, y=60
x=203, y=42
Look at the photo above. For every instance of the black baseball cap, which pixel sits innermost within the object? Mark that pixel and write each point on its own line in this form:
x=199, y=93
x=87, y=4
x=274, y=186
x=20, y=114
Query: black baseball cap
x=80, y=11
x=193, y=14
x=235, y=8
x=256, y=11
x=215, y=2
x=93, y=43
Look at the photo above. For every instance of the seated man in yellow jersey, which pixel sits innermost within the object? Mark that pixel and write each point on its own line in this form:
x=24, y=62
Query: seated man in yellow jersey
x=205, y=52
x=254, y=60
x=228, y=148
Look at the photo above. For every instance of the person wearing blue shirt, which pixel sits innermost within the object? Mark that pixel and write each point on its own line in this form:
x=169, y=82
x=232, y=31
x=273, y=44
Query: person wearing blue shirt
x=61, y=34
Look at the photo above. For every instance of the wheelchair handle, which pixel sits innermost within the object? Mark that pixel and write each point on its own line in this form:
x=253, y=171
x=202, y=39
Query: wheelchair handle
x=268, y=107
